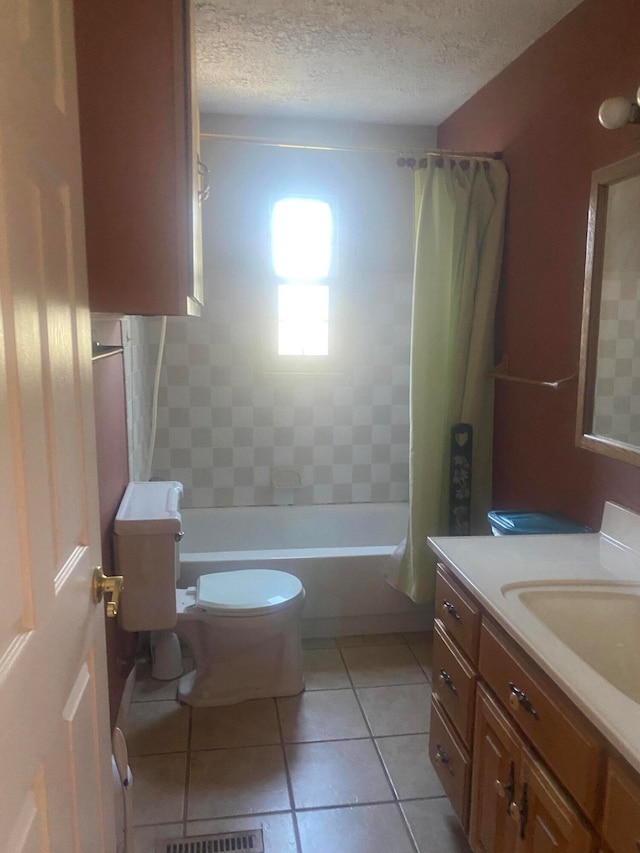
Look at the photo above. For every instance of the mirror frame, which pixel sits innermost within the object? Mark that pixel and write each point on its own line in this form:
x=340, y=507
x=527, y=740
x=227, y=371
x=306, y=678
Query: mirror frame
x=601, y=180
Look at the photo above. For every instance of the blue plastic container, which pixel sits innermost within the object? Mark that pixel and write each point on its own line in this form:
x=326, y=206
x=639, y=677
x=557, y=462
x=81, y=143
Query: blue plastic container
x=522, y=521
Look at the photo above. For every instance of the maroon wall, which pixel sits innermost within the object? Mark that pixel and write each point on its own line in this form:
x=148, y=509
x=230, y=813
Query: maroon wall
x=113, y=475
x=541, y=112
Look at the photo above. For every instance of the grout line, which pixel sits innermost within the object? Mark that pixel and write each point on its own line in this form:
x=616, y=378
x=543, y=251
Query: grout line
x=158, y=823
x=187, y=781
x=348, y=739
x=154, y=700
x=294, y=820
x=390, y=802
x=281, y=742
x=387, y=773
x=421, y=799
x=393, y=683
x=355, y=693
x=403, y=819
x=407, y=826
x=363, y=686
x=421, y=665
x=425, y=683
x=372, y=736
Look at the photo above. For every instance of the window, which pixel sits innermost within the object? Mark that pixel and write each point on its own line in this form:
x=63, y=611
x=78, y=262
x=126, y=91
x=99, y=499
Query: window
x=302, y=233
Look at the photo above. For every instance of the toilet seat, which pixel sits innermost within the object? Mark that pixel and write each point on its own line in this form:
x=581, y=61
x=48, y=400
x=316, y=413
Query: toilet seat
x=247, y=592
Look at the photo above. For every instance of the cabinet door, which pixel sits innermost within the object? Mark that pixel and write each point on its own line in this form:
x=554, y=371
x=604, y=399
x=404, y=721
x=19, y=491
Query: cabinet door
x=136, y=100
x=200, y=185
x=550, y=822
x=496, y=767
x=621, y=821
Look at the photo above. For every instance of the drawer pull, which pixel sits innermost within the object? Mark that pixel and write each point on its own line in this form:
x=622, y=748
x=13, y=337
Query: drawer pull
x=507, y=790
x=445, y=678
x=519, y=699
x=520, y=813
x=442, y=758
x=448, y=606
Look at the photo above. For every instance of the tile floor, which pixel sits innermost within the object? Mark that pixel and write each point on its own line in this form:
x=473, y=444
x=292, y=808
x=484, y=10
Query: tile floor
x=342, y=767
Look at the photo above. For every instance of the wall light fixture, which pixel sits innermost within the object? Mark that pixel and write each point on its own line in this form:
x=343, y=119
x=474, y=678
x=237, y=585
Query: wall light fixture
x=618, y=111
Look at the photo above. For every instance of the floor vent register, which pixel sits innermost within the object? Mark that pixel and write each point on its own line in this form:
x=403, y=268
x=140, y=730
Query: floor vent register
x=222, y=842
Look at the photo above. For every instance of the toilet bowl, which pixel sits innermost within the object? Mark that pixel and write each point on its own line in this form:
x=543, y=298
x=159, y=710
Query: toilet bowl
x=243, y=627
x=243, y=630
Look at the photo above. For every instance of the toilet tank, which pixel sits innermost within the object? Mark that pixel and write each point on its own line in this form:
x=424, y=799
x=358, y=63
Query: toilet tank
x=147, y=530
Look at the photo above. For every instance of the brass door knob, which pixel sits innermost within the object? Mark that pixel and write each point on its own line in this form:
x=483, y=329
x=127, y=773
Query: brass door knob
x=104, y=584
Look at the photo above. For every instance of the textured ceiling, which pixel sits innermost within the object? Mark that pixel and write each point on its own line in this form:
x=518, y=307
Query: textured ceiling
x=390, y=61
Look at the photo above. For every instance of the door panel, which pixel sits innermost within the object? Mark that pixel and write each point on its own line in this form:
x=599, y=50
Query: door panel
x=496, y=770
x=553, y=823
x=55, y=784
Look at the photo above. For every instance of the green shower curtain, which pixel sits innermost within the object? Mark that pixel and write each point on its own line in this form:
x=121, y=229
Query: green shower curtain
x=458, y=255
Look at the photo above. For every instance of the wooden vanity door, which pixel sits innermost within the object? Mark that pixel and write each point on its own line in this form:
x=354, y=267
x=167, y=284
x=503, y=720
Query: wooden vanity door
x=516, y=807
x=552, y=822
x=496, y=770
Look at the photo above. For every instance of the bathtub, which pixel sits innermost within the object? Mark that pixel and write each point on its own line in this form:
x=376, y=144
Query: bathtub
x=340, y=553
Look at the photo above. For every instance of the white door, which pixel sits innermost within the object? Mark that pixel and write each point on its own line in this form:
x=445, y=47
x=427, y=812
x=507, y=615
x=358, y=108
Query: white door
x=55, y=773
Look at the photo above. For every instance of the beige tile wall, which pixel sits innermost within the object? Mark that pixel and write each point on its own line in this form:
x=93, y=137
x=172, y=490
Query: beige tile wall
x=224, y=420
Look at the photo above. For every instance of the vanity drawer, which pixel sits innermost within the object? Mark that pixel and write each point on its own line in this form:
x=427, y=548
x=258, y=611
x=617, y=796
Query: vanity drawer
x=458, y=613
x=451, y=762
x=454, y=681
x=621, y=822
x=558, y=733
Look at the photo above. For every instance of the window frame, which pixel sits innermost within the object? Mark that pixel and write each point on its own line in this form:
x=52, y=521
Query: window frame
x=332, y=363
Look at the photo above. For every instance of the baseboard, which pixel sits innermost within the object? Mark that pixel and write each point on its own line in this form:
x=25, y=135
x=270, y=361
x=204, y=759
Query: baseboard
x=381, y=623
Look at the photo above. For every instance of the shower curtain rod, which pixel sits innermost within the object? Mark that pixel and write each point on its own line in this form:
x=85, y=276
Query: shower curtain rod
x=275, y=143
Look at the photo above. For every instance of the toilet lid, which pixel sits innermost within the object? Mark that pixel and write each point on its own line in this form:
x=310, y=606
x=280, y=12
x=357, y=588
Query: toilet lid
x=247, y=592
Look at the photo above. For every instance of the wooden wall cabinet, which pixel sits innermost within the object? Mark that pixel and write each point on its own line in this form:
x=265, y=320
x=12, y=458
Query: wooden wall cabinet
x=532, y=775
x=140, y=135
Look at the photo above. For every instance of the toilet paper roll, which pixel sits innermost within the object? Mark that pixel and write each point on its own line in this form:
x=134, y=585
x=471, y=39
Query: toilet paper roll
x=166, y=655
x=123, y=782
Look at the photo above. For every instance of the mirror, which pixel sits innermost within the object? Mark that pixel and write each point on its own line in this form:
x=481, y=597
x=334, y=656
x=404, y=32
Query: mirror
x=609, y=376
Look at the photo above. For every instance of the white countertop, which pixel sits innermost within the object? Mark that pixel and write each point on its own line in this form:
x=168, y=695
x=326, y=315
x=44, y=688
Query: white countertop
x=489, y=564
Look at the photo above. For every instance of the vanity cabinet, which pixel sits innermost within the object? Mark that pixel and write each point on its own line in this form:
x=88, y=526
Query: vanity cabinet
x=516, y=803
x=568, y=745
x=529, y=773
x=141, y=171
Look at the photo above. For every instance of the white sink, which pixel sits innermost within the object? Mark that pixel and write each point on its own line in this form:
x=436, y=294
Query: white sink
x=598, y=622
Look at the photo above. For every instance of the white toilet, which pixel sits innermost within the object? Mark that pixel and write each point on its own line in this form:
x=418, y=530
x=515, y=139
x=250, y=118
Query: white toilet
x=242, y=626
